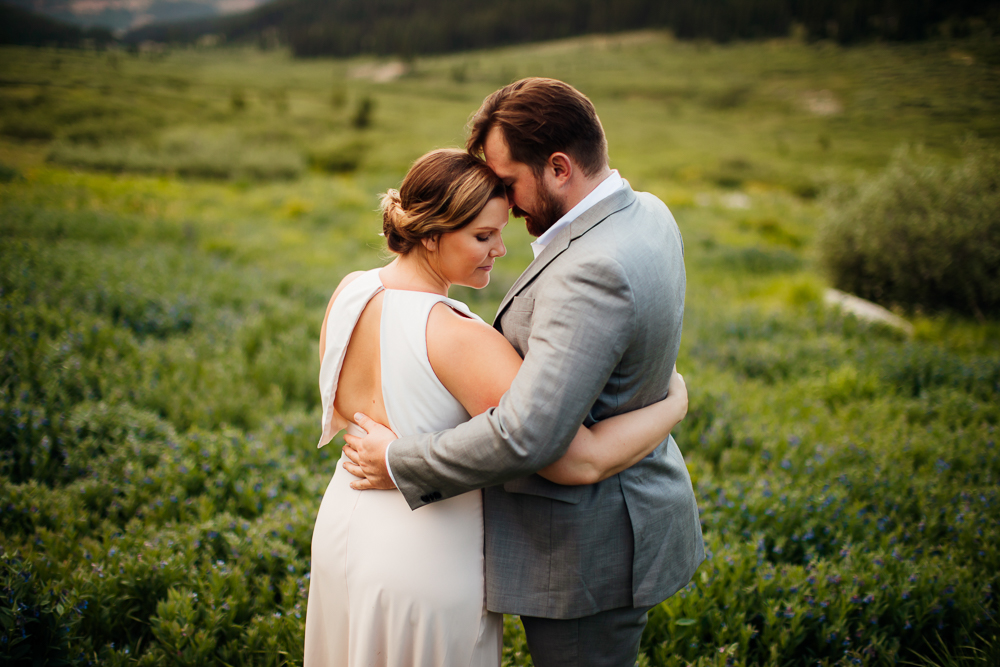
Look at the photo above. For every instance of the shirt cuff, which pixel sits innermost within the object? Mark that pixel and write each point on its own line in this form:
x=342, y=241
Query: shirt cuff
x=387, y=468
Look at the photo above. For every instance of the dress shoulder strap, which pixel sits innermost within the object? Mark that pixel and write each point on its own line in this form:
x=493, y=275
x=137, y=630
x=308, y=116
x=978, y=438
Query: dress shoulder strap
x=340, y=323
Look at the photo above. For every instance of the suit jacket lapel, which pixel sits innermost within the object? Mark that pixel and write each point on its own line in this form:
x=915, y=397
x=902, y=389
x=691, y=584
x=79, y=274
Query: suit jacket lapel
x=587, y=221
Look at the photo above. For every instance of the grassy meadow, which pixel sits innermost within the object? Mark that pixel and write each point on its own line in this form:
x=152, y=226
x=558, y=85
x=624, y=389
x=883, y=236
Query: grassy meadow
x=173, y=223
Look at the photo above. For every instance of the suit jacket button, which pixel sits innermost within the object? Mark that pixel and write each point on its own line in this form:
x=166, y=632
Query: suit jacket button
x=436, y=495
x=425, y=498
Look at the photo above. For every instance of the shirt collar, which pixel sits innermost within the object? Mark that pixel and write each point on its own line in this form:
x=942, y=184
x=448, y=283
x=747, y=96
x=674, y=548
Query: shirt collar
x=605, y=189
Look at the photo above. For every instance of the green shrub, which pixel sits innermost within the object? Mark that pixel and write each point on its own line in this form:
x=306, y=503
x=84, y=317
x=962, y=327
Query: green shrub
x=362, y=117
x=35, y=621
x=733, y=172
x=753, y=259
x=100, y=130
x=186, y=152
x=922, y=235
x=338, y=157
x=28, y=127
x=8, y=173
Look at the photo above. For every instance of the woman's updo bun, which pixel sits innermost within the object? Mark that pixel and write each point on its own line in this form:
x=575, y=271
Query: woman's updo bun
x=394, y=222
x=443, y=191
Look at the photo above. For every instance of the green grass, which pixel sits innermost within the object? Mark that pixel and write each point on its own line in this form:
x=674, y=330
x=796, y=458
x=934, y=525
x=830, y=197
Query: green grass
x=158, y=407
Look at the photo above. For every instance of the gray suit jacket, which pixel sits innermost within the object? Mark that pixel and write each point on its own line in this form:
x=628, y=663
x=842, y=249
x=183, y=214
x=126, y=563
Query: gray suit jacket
x=597, y=317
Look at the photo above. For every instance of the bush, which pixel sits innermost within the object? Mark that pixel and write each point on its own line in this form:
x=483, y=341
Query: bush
x=188, y=153
x=341, y=157
x=36, y=623
x=362, y=117
x=25, y=127
x=922, y=235
x=753, y=259
x=8, y=173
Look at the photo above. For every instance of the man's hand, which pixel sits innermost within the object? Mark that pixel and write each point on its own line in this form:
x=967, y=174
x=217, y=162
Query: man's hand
x=366, y=455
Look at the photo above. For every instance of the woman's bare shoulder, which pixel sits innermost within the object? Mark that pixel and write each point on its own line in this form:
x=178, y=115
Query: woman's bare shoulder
x=447, y=328
x=472, y=359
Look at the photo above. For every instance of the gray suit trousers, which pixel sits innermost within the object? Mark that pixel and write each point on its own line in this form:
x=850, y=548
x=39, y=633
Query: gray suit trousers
x=607, y=639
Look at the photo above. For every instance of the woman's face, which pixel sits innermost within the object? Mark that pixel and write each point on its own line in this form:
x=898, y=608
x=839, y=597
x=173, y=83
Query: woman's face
x=465, y=257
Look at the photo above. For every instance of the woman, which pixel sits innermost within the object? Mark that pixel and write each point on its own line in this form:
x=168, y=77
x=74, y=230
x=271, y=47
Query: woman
x=395, y=587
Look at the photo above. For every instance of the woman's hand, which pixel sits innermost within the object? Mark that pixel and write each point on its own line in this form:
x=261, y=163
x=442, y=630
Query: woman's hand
x=677, y=391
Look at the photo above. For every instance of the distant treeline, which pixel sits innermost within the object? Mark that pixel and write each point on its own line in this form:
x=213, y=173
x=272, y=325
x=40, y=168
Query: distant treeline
x=21, y=27
x=410, y=27
x=347, y=27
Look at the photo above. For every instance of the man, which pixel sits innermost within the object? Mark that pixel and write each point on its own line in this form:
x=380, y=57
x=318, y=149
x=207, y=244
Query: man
x=597, y=317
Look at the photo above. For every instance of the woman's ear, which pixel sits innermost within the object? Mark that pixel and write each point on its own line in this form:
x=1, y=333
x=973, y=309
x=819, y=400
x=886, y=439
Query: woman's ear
x=430, y=243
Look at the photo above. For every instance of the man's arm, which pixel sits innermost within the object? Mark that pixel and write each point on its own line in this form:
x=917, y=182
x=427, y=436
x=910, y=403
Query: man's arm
x=582, y=322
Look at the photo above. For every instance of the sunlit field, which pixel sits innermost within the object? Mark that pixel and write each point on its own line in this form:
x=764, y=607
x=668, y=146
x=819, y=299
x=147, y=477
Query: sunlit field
x=172, y=225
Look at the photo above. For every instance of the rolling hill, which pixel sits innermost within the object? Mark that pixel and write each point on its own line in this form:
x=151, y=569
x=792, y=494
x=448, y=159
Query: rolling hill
x=409, y=27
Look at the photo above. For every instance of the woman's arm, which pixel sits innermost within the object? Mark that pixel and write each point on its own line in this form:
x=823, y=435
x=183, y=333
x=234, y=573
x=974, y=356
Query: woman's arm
x=477, y=364
x=617, y=443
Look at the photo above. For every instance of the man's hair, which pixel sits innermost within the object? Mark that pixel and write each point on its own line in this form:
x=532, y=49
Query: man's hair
x=539, y=117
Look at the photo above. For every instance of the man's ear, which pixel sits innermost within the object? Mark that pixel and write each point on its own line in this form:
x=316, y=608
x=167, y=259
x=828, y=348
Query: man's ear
x=561, y=167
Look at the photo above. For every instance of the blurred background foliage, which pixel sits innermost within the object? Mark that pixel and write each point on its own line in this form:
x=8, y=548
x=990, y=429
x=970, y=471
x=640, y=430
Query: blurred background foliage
x=924, y=234
x=174, y=219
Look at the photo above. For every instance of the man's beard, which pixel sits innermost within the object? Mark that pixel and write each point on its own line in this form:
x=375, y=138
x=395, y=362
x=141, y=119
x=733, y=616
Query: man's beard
x=549, y=210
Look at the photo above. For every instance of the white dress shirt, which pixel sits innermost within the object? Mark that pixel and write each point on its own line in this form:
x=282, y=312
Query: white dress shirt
x=610, y=185
x=613, y=183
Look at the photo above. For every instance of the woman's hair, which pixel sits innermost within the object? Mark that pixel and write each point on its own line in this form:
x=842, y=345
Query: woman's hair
x=539, y=117
x=443, y=191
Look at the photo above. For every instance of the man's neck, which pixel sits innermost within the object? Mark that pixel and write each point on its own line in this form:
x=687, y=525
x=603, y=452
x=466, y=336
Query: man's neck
x=584, y=187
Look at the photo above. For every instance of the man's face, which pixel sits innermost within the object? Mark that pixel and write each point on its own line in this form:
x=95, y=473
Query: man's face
x=529, y=196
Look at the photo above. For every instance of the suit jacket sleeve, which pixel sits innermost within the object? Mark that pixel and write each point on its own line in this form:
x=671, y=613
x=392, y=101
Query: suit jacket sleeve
x=583, y=320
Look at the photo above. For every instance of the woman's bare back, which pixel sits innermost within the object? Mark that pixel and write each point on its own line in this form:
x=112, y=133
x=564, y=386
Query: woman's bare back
x=359, y=387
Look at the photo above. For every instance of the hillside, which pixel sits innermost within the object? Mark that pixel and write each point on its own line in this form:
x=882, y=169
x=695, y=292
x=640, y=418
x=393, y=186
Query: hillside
x=120, y=16
x=348, y=27
x=24, y=28
x=172, y=226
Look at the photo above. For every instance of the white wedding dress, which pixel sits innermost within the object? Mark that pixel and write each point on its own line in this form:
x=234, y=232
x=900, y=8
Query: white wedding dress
x=390, y=586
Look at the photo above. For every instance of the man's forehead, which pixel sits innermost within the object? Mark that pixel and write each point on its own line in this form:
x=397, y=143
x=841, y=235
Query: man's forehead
x=495, y=147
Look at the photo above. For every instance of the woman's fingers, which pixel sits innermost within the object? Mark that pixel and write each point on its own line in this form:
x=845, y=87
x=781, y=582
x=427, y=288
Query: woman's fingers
x=678, y=391
x=677, y=383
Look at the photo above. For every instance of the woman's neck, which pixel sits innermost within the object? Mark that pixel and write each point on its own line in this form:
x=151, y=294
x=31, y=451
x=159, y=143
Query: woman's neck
x=412, y=272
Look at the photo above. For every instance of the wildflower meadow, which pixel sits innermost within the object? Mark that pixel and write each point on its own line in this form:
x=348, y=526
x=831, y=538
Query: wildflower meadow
x=172, y=225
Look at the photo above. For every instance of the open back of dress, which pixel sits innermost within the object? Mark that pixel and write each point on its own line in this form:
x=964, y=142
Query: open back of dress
x=390, y=586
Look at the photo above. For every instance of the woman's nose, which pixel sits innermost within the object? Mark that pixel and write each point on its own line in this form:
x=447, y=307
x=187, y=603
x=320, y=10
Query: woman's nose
x=499, y=250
